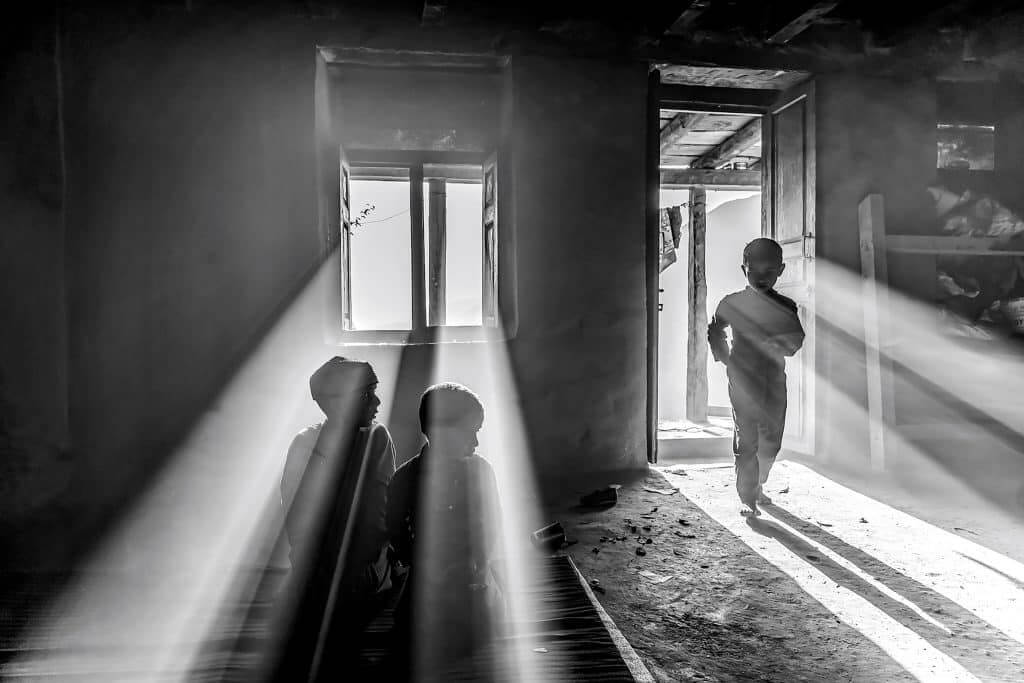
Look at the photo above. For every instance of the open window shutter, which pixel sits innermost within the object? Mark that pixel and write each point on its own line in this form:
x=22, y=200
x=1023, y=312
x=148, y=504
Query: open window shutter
x=345, y=225
x=332, y=208
x=490, y=242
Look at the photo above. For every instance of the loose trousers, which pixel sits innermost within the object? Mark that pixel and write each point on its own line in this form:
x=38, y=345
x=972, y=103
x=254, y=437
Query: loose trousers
x=758, y=398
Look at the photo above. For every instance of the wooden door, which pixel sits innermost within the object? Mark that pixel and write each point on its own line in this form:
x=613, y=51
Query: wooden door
x=653, y=254
x=788, y=203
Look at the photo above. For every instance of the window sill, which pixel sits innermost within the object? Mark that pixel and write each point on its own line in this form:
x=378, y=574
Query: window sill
x=477, y=334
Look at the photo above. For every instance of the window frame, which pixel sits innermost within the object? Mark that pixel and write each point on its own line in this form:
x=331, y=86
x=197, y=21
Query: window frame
x=422, y=332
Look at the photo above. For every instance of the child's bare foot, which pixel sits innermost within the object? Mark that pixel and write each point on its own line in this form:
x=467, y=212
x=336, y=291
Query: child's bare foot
x=762, y=499
x=751, y=511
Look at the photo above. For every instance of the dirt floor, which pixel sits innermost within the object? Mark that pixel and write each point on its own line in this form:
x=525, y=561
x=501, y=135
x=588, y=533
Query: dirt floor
x=699, y=604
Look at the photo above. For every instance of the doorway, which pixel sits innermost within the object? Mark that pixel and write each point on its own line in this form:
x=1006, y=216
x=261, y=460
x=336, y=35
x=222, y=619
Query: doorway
x=728, y=174
x=717, y=214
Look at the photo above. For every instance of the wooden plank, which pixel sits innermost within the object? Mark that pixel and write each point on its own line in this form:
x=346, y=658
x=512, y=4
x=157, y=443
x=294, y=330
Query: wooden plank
x=687, y=150
x=949, y=244
x=734, y=146
x=875, y=295
x=436, y=249
x=419, y=276
x=720, y=100
x=432, y=59
x=677, y=128
x=802, y=22
x=694, y=9
x=705, y=138
x=697, y=315
x=709, y=177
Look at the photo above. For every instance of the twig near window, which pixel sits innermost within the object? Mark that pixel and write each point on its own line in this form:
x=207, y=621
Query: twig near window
x=361, y=218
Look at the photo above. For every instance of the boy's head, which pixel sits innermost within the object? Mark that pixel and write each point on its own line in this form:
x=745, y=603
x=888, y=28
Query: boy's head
x=762, y=263
x=450, y=417
x=343, y=387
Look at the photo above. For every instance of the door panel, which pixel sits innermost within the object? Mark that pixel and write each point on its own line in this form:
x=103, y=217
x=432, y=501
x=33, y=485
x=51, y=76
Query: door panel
x=653, y=254
x=788, y=196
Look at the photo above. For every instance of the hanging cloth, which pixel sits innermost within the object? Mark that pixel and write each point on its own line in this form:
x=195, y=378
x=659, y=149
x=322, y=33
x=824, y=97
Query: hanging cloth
x=671, y=232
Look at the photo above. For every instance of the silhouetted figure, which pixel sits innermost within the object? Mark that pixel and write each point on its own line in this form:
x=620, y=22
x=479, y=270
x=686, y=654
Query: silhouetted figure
x=765, y=330
x=334, y=492
x=444, y=523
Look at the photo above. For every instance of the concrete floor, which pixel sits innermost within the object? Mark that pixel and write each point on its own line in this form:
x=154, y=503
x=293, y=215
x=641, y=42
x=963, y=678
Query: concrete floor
x=828, y=585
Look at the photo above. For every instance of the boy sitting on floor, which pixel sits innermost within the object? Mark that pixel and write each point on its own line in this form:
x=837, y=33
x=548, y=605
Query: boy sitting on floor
x=443, y=519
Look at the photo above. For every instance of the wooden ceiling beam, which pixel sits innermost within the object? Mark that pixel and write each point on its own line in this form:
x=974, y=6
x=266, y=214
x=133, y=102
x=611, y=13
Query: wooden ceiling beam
x=742, y=140
x=677, y=128
x=689, y=17
x=801, y=23
x=710, y=178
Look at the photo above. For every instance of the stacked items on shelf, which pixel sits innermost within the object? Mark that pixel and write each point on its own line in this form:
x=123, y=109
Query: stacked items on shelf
x=982, y=296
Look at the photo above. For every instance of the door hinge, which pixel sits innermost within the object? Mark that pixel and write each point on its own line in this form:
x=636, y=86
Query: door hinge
x=809, y=246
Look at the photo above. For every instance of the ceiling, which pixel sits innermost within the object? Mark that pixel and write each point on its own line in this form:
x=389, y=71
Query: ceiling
x=706, y=132
x=818, y=34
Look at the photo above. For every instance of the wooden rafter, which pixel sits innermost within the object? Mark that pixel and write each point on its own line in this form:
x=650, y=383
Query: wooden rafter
x=711, y=178
x=689, y=17
x=742, y=140
x=677, y=128
x=801, y=23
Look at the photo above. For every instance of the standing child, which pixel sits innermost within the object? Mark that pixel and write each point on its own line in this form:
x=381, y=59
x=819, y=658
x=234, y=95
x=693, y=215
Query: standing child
x=765, y=329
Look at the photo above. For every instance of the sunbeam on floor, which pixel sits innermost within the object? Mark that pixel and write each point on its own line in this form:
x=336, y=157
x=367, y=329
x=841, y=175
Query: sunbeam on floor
x=942, y=607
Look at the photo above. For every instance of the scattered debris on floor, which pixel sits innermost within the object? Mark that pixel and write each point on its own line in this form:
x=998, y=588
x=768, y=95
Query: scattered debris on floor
x=600, y=498
x=663, y=492
x=655, y=578
x=550, y=538
x=726, y=615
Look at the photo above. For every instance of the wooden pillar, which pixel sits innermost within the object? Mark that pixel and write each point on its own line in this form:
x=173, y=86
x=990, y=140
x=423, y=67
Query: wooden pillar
x=436, y=250
x=875, y=290
x=419, y=270
x=697, y=317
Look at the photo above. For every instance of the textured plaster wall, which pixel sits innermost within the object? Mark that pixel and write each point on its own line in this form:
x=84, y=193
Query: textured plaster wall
x=191, y=232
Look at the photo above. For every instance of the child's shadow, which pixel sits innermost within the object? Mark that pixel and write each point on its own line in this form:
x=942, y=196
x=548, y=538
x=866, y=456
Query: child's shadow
x=945, y=611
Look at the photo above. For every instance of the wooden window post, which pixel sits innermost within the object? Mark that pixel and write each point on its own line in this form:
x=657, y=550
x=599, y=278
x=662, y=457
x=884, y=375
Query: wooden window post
x=437, y=250
x=419, y=276
x=697, y=316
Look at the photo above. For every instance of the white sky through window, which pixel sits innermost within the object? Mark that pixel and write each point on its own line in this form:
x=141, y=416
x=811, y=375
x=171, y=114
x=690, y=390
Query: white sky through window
x=381, y=257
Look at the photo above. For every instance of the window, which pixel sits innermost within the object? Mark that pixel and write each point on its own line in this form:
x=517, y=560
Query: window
x=419, y=251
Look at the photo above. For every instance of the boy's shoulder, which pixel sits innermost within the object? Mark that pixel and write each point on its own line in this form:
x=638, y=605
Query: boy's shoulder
x=480, y=461
x=732, y=297
x=379, y=434
x=784, y=300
